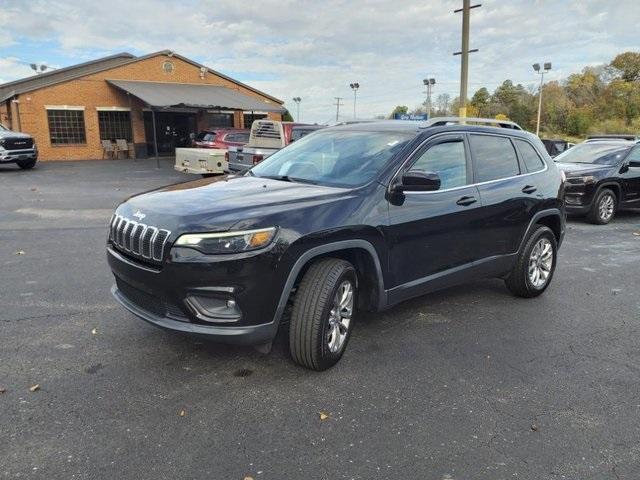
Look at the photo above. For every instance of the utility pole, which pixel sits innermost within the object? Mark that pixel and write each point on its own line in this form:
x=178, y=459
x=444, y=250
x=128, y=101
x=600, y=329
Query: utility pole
x=536, y=67
x=464, y=65
x=338, y=100
x=354, y=86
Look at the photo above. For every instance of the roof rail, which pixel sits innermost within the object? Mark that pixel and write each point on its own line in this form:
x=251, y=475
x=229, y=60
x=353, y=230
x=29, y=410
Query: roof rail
x=492, y=122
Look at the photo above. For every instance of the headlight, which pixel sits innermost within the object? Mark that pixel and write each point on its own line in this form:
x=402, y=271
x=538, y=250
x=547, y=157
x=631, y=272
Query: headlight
x=582, y=180
x=228, y=242
x=589, y=179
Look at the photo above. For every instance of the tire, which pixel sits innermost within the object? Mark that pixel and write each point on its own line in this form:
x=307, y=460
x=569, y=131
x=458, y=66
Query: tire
x=27, y=164
x=604, y=207
x=317, y=338
x=520, y=281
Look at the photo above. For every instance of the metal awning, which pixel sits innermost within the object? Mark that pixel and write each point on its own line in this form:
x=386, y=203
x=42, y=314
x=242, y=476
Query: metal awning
x=167, y=94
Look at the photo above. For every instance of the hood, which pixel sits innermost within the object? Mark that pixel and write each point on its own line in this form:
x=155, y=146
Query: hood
x=10, y=134
x=216, y=204
x=572, y=169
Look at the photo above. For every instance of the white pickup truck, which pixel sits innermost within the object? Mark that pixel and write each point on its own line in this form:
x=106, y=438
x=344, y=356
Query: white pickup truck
x=266, y=138
x=203, y=161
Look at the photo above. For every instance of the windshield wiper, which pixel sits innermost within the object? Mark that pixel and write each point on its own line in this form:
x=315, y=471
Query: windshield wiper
x=287, y=178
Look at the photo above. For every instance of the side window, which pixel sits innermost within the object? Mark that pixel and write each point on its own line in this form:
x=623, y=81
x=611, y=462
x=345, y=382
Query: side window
x=494, y=157
x=529, y=156
x=446, y=159
x=634, y=157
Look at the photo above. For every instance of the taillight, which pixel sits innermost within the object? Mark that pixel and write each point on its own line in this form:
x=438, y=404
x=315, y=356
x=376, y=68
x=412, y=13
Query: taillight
x=257, y=159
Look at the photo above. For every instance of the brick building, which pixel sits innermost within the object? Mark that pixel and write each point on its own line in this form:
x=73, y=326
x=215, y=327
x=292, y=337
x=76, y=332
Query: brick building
x=153, y=101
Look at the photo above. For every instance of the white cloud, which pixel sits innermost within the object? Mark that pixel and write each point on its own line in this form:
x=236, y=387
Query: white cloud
x=315, y=49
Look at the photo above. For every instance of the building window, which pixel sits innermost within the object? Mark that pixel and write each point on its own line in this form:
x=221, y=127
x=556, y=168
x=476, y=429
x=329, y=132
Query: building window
x=219, y=120
x=249, y=118
x=66, y=127
x=115, y=125
x=167, y=67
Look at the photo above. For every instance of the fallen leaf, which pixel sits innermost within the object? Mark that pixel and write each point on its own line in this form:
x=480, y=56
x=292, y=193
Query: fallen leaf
x=636, y=234
x=534, y=427
x=94, y=331
x=20, y=252
x=35, y=387
x=34, y=189
x=2, y=390
x=324, y=415
x=182, y=413
x=248, y=478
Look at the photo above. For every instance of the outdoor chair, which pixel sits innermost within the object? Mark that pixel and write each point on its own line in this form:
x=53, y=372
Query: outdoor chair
x=108, y=149
x=122, y=146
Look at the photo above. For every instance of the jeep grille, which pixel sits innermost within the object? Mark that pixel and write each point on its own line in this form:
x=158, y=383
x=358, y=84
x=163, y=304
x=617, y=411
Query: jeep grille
x=138, y=239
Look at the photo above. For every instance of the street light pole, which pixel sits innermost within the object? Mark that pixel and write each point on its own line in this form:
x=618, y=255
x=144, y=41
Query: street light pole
x=541, y=71
x=429, y=83
x=297, y=100
x=354, y=86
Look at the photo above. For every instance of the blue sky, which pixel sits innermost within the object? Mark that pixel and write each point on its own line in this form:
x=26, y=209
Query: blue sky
x=315, y=49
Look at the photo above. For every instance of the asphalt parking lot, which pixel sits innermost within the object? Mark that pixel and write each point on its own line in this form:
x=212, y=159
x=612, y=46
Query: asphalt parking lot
x=468, y=383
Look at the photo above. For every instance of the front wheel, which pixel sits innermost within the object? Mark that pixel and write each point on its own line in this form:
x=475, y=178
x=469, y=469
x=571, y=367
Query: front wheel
x=604, y=207
x=322, y=316
x=536, y=263
x=27, y=164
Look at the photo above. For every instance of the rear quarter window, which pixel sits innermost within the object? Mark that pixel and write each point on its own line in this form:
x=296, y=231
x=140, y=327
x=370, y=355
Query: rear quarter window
x=529, y=156
x=494, y=157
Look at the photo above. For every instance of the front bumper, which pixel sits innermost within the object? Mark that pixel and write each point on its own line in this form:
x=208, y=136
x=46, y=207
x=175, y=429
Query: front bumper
x=12, y=156
x=578, y=197
x=164, y=297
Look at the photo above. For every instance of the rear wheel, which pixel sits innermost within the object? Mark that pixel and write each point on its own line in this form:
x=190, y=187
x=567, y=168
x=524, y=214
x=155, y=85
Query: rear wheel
x=603, y=208
x=322, y=316
x=536, y=264
x=27, y=164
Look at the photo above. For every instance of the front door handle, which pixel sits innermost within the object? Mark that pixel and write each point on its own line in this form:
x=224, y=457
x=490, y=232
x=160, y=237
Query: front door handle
x=464, y=201
x=529, y=189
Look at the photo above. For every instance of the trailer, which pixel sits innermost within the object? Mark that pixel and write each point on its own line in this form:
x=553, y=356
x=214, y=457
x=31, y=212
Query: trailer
x=203, y=161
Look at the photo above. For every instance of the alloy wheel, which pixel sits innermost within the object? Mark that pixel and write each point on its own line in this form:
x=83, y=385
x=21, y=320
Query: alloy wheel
x=540, y=263
x=340, y=316
x=606, y=207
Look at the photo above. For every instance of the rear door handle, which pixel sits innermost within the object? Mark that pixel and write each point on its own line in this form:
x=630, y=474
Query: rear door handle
x=464, y=201
x=529, y=189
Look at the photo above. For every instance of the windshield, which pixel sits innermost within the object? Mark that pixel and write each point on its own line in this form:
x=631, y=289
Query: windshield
x=206, y=137
x=594, y=153
x=334, y=157
x=298, y=133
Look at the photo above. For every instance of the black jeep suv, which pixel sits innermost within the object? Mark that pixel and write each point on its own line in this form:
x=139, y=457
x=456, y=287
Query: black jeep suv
x=602, y=177
x=349, y=218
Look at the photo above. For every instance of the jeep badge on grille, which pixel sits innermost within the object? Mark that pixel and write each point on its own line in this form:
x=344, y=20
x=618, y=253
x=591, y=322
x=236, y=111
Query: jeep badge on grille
x=139, y=215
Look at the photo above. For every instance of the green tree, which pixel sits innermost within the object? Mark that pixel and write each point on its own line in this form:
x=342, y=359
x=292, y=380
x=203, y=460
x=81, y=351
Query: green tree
x=480, y=100
x=627, y=65
x=400, y=109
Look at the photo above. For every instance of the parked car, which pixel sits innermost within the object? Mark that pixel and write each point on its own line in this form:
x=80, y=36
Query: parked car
x=618, y=136
x=18, y=148
x=556, y=146
x=351, y=218
x=267, y=137
x=602, y=177
x=221, y=138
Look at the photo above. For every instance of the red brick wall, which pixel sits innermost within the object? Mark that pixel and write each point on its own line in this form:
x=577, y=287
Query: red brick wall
x=93, y=91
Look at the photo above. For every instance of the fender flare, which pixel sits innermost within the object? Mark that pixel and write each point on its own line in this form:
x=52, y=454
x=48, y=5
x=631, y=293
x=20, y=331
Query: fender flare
x=618, y=189
x=314, y=252
x=550, y=212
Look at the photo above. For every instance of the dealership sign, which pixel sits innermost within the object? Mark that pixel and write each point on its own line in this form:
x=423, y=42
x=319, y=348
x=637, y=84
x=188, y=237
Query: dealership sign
x=411, y=116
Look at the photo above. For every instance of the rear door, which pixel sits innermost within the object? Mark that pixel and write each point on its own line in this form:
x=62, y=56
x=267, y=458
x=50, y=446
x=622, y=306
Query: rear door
x=431, y=232
x=631, y=178
x=509, y=192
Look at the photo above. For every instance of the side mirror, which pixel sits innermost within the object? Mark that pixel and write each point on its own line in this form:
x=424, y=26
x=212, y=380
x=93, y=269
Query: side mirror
x=634, y=163
x=419, y=181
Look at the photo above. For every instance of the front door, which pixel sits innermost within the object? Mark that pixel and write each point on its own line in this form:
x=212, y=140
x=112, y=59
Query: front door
x=431, y=233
